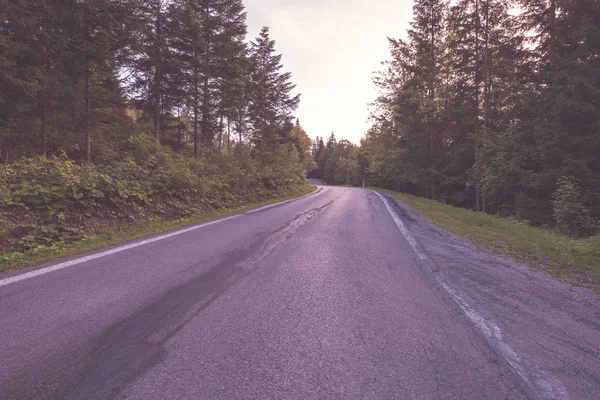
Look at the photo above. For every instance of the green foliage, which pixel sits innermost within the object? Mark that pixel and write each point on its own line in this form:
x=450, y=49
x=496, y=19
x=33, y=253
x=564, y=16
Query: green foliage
x=487, y=110
x=303, y=146
x=338, y=163
x=270, y=100
x=93, y=73
x=58, y=184
x=571, y=215
x=47, y=235
x=65, y=198
x=149, y=94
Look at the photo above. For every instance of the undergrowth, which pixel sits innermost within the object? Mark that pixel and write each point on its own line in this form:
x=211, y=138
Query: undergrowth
x=50, y=202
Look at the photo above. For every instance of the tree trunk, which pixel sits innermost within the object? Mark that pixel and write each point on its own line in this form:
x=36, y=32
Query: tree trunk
x=228, y=137
x=477, y=83
x=43, y=99
x=487, y=86
x=44, y=144
x=432, y=97
x=156, y=130
x=432, y=71
x=158, y=75
x=477, y=76
x=196, y=149
x=206, y=130
x=483, y=207
x=182, y=139
x=553, y=41
x=88, y=134
x=206, y=134
x=487, y=70
x=88, y=138
x=221, y=133
x=43, y=94
x=241, y=127
x=161, y=118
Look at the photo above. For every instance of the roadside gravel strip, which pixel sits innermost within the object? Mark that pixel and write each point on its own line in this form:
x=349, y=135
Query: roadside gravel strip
x=531, y=304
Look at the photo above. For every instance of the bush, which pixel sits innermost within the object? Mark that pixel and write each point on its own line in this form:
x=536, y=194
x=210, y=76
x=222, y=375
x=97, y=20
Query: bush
x=57, y=184
x=571, y=215
x=57, y=200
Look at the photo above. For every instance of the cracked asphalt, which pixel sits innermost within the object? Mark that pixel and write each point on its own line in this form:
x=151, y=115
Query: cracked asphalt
x=318, y=298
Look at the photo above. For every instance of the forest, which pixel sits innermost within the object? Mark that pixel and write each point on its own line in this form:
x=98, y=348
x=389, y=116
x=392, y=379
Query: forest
x=488, y=105
x=116, y=111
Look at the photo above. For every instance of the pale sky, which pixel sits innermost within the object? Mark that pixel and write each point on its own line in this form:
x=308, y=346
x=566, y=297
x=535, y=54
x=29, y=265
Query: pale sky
x=332, y=48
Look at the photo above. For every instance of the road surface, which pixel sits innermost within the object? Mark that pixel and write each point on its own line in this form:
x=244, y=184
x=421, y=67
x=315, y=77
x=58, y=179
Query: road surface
x=323, y=297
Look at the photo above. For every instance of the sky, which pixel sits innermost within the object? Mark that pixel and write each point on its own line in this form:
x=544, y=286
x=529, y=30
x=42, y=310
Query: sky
x=332, y=48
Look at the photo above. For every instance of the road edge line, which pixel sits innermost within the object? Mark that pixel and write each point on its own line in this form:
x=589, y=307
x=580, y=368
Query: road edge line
x=535, y=378
x=137, y=243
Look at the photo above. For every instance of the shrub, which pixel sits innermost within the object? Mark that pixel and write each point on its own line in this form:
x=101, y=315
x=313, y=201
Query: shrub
x=571, y=215
x=56, y=199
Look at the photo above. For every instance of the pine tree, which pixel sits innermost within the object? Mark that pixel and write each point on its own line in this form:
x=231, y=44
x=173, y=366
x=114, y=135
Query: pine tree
x=485, y=65
x=99, y=35
x=426, y=38
x=209, y=48
x=304, y=147
x=151, y=60
x=557, y=132
x=23, y=71
x=271, y=102
x=231, y=58
x=318, y=148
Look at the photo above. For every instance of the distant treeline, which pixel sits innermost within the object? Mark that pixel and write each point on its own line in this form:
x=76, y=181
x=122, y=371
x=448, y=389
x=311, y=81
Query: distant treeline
x=490, y=105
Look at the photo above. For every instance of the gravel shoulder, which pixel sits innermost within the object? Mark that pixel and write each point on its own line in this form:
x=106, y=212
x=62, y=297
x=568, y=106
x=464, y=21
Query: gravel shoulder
x=553, y=326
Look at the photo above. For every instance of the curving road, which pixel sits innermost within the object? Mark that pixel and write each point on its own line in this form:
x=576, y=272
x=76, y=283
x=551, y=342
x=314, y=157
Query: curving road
x=323, y=297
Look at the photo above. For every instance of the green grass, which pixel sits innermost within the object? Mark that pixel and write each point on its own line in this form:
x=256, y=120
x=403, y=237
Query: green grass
x=109, y=237
x=561, y=255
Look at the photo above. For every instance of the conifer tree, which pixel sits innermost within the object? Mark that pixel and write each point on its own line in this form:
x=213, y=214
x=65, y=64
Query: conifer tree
x=271, y=102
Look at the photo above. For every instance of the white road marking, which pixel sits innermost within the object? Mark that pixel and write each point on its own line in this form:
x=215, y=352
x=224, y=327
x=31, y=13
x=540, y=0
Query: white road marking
x=411, y=240
x=94, y=256
x=488, y=328
x=80, y=260
x=544, y=384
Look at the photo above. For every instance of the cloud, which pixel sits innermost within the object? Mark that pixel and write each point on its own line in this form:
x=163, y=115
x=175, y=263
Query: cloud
x=332, y=47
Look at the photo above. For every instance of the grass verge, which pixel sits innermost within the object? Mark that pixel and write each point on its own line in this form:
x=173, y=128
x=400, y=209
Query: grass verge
x=127, y=232
x=575, y=259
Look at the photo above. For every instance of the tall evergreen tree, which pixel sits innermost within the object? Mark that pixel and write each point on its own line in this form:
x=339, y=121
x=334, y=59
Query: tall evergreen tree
x=485, y=109
x=209, y=47
x=151, y=64
x=271, y=102
x=558, y=129
x=426, y=38
x=99, y=35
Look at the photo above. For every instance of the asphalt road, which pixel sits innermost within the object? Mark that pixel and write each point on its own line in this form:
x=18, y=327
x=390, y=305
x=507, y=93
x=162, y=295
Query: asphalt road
x=323, y=297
